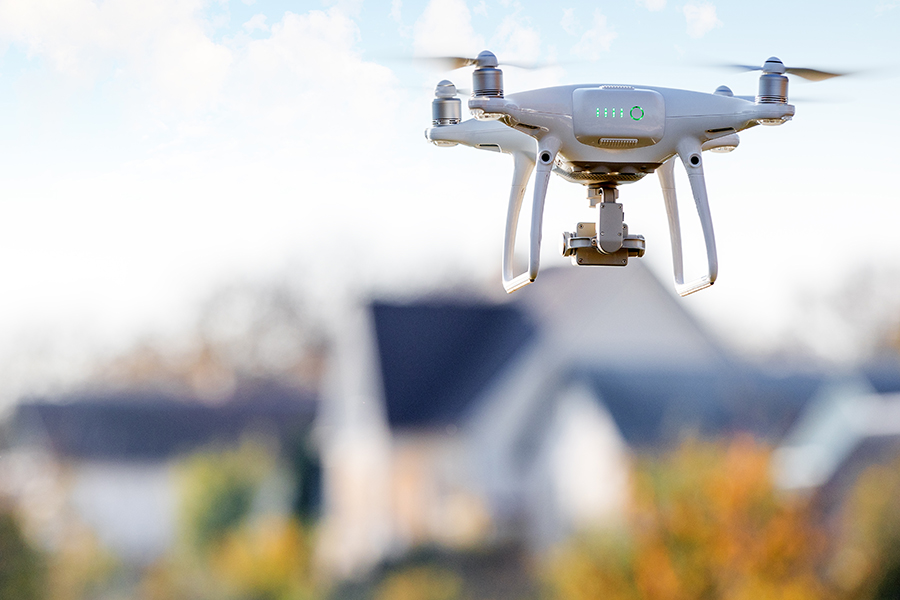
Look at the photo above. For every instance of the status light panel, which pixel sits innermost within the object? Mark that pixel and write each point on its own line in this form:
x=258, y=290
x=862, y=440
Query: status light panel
x=602, y=116
x=635, y=112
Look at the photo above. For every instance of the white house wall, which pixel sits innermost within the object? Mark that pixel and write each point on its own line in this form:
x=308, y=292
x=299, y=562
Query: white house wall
x=587, y=466
x=131, y=508
x=355, y=449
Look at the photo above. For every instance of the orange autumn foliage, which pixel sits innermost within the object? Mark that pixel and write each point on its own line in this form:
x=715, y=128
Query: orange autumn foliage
x=705, y=522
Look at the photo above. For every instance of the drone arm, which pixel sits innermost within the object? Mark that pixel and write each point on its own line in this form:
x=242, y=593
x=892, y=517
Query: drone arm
x=689, y=153
x=548, y=146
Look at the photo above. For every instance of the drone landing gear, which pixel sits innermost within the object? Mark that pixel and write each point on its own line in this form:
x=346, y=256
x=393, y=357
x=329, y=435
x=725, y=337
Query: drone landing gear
x=605, y=242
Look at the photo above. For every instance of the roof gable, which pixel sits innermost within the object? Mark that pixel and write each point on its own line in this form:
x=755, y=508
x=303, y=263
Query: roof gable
x=436, y=357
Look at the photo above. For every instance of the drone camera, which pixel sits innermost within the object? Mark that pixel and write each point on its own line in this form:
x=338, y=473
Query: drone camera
x=606, y=241
x=583, y=247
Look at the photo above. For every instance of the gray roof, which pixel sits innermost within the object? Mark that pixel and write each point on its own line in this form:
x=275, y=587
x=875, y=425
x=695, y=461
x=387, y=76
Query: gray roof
x=658, y=407
x=436, y=357
x=153, y=426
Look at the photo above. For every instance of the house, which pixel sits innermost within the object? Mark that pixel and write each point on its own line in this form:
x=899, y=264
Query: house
x=460, y=421
x=107, y=461
x=853, y=422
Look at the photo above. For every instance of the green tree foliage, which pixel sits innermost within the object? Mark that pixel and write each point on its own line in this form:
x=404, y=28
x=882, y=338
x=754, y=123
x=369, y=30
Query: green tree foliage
x=420, y=583
x=218, y=488
x=233, y=549
x=705, y=523
x=866, y=564
x=21, y=566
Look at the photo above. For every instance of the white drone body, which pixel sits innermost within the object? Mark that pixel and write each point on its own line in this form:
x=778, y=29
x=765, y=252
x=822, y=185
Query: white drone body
x=601, y=136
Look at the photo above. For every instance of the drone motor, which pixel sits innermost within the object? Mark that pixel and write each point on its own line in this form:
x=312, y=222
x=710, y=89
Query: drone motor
x=773, y=85
x=487, y=79
x=446, y=108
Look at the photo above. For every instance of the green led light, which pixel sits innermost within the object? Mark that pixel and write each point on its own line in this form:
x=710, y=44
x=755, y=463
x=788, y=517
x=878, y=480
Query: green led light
x=637, y=113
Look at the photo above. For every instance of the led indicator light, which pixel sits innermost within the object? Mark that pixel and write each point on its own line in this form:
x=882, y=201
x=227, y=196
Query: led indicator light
x=637, y=113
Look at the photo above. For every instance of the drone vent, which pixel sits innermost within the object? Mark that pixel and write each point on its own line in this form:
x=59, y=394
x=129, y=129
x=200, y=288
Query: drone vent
x=616, y=87
x=618, y=142
x=586, y=177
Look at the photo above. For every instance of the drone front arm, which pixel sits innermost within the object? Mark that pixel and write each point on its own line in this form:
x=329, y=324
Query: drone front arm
x=689, y=152
x=548, y=146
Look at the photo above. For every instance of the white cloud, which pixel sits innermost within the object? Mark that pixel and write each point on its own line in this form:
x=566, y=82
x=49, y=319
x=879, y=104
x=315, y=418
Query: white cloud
x=256, y=22
x=249, y=2
x=306, y=81
x=445, y=28
x=516, y=41
x=652, y=5
x=396, y=6
x=348, y=7
x=164, y=44
x=701, y=18
x=481, y=9
x=568, y=21
x=597, y=39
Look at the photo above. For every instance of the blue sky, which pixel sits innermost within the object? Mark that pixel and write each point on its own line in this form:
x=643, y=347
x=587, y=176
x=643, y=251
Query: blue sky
x=152, y=150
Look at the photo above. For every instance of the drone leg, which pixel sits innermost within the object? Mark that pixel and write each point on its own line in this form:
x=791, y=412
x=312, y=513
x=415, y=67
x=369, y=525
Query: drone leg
x=524, y=166
x=689, y=153
x=548, y=146
x=666, y=175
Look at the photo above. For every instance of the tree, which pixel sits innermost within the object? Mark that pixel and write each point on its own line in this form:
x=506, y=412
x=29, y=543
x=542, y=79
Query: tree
x=705, y=523
x=243, y=331
x=420, y=583
x=218, y=491
x=234, y=547
x=21, y=566
x=866, y=564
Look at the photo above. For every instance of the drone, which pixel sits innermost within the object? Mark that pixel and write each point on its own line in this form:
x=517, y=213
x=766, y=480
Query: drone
x=601, y=136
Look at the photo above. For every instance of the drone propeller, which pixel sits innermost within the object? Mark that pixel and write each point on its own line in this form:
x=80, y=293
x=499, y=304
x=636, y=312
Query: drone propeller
x=484, y=59
x=774, y=65
x=446, y=89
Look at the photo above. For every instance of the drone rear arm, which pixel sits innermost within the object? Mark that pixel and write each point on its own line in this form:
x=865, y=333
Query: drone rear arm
x=548, y=146
x=689, y=153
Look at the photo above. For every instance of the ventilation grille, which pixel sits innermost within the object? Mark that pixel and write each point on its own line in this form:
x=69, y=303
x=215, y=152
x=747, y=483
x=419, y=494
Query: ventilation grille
x=617, y=142
x=588, y=177
x=616, y=87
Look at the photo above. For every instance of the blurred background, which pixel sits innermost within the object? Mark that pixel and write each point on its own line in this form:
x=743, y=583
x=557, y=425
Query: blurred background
x=254, y=344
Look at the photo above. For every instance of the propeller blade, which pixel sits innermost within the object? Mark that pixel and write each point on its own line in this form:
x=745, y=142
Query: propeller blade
x=446, y=63
x=805, y=73
x=743, y=67
x=450, y=63
x=812, y=74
